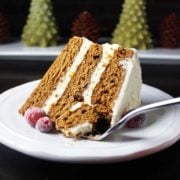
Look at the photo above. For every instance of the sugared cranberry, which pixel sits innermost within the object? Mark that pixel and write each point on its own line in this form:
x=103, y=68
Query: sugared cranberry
x=44, y=124
x=33, y=114
x=136, y=122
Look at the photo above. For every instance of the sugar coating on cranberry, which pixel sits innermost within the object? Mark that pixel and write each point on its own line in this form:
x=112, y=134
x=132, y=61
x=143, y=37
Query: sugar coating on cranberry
x=44, y=124
x=136, y=122
x=33, y=114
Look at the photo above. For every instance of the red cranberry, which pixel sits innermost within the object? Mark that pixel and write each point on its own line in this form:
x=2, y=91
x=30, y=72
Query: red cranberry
x=136, y=122
x=33, y=114
x=44, y=124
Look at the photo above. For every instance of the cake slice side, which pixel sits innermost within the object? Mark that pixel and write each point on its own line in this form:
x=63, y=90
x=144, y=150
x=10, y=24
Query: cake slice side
x=129, y=96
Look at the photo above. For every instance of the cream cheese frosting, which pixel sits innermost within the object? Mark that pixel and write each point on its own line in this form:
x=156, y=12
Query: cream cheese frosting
x=83, y=128
x=63, y=83
x=108, y=52
x=76, y=106
x=129, y=95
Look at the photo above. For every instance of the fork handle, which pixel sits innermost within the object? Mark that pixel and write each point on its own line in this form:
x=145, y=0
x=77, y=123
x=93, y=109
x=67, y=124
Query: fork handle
x=156, y=105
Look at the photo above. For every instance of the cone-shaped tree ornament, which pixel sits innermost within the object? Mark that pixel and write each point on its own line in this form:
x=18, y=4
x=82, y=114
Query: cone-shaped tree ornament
x=170, y=31
x=85, y=25
x=132, y=29
x=40, y=29
x=4, y=28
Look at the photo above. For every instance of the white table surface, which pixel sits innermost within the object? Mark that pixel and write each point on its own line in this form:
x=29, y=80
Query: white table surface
x=18, y=51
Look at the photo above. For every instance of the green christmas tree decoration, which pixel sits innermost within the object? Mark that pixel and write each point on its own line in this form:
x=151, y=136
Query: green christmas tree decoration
x=40, y=28
x=132, y=29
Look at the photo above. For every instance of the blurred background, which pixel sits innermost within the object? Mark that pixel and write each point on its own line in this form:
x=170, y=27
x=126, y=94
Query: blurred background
x=106, y=12
x=165, y=76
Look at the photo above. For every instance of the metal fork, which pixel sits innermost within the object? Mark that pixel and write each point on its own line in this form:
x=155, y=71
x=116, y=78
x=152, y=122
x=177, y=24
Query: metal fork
x=121, y=123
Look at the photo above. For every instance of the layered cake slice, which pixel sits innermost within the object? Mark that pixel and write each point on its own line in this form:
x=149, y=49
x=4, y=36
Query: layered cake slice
x=88, y=87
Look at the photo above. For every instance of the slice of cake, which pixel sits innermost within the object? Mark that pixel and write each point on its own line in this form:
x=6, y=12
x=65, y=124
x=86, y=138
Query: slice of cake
x=88, y=87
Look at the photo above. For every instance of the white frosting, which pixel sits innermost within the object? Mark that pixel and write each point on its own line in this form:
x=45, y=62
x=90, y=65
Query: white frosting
x=63, y=83
x=129, y=95
x=76, y=106
x=79, y=129
x=108, y=52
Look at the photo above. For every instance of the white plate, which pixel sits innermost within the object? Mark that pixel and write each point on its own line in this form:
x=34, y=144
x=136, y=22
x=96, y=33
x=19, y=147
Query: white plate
x=162, y=129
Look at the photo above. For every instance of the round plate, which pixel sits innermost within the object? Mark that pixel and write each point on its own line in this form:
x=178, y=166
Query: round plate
x=161, y=129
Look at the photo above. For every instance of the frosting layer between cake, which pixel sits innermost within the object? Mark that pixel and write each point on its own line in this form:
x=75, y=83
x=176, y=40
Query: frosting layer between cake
x=107, y=54
x=63, y=82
